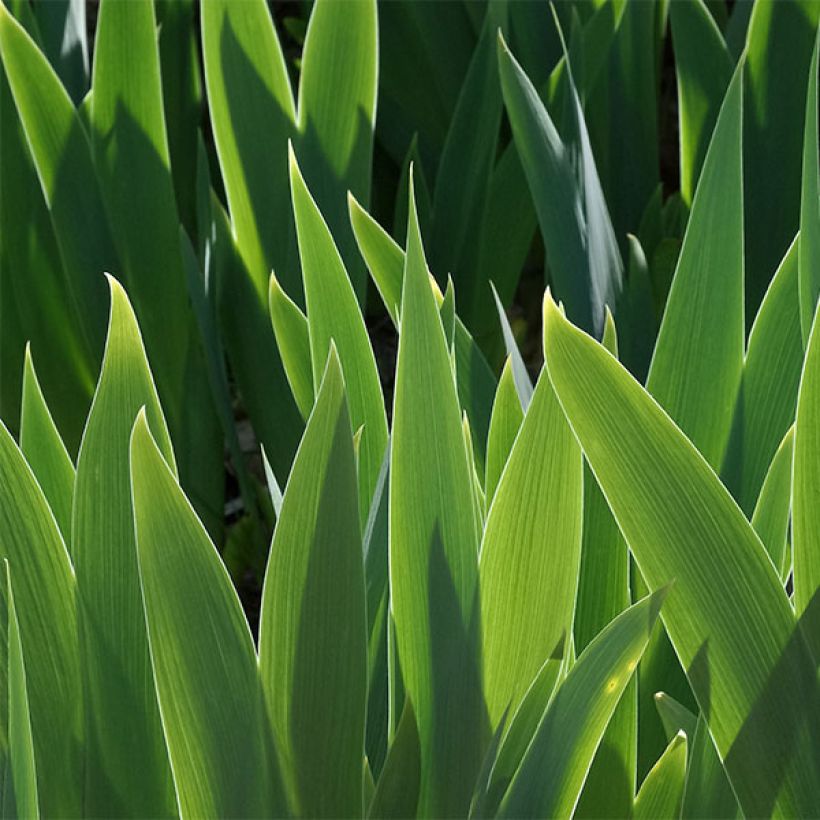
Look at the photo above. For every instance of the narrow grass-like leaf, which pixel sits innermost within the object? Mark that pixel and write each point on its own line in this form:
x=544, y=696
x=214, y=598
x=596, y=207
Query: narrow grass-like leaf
x=523, y=383
x=313, y=631
x=505, y=422
x=475, y=380
x=768, y=395
x=20, y=775
x=292, y=338
x=334, y=315
x=809, y=241
x=773, y=509
x=210, y=701
x=122, y=718
x=703, y=68
x=806, y=490
x=434, y=550
x=662, y=790
x=553, y=770
x=696, y=369
x=674, y=716
x=728, y=616
x=532, y=543
x=44, y=450
x=337, y=113
x=46, y=608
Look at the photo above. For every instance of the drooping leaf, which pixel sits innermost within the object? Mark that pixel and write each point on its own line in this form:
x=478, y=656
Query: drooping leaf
x=122, y=717
x=434, y=550
x=531, y=543
x=727, y=616
x=45, y=602
x=44, y=450
x=210, y=701
x=662, y=790
x=333, y=315
x=549, y=780
x=313, y=632
x=584, y=260
x=337, y=112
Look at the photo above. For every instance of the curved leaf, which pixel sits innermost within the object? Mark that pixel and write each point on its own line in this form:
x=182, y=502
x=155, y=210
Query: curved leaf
x=728, y=616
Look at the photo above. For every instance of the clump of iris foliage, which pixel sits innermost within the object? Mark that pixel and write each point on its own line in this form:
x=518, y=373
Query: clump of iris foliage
x=555, y=552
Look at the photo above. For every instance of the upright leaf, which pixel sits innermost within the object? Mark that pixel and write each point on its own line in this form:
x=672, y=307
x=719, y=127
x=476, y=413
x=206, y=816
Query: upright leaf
x=333, y=315
x=768, y=394
x=210, y=701
x=504, y=425
x=337, y=114
x=20, y=776
x=531, y=543
x=727, y=616
x=809, y=242
x=44, y=450
x=47, y=611
x=696, y=369
x=806, y=490
x=122, y=718
x=313, y=630
x=434, y=550
x=661, y=792
x=703, y=68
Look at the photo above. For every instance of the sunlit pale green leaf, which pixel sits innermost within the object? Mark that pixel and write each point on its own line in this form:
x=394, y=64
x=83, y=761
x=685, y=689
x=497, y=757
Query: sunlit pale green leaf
x=313, y=632
x=768, y=393
x=806, y=509
x=531, y=543
x=122, y=718
x=505, y=421
x=696, y=369
x=809, y=241
x=773, y=509
x=292, y=338
x=434, y=550
x=553, y=770
x=44, y=590
x=662, y=789
x=20, y=796
x=333, y=315
x=727, y=615
x=44, y=450
x=211, y=702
